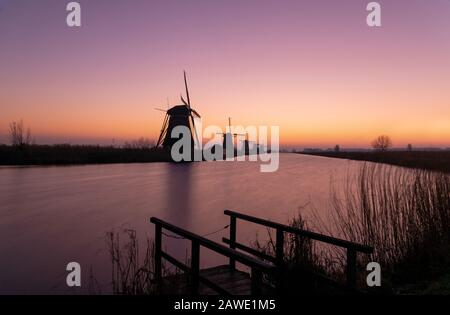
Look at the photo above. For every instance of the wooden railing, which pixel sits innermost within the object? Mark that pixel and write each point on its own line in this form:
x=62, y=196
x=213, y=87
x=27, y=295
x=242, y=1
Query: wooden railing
x=351, y=247
x=257, y=266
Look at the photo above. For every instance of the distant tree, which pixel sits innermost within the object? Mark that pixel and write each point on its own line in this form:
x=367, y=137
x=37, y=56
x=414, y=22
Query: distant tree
x=18, y=135
x=382, y=143
x=409, y=147
x=337, y=148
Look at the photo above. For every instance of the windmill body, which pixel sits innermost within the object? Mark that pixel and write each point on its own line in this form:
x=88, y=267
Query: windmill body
x=230, y=139
x=179, y=115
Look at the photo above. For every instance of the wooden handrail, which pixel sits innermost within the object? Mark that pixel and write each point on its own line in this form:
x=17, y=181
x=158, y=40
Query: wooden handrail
x=315, y=236
x=257, y=266
x=351, y=247
x=250, y=250
x=219, y=248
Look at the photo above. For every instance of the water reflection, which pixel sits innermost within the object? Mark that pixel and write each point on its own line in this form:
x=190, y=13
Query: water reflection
x=178, y=192
x=179, y=206
x=51, y=216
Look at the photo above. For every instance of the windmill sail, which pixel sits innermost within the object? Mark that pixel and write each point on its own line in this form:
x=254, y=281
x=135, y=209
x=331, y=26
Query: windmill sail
x=187, y=90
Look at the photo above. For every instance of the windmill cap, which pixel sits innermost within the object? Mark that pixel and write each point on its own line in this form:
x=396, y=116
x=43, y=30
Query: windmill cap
x=179, y=110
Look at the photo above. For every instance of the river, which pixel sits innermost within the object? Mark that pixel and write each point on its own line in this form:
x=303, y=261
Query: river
x=50, y=216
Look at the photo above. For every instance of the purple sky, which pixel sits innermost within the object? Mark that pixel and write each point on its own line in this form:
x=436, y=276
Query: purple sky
x=312, y=67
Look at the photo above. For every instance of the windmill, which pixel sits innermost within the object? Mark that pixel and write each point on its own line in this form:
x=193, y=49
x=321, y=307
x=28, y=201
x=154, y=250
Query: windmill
x=228, y=140
x=179, y=115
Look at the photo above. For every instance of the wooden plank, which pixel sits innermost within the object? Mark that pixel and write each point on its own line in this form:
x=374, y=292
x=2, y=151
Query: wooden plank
x=351, y=268
x=234, y=282
x=158, y=244
x=232, y=240
x=195, y=267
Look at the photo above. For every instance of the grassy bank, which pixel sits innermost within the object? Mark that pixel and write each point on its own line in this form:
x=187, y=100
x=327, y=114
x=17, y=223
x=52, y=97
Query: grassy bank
x=76, y=154
x=427, y=160
x=404, y=214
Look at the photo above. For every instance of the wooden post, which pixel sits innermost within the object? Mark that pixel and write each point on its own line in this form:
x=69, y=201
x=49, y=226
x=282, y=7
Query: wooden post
x=158, y=245
x=195, y=267
x=279, y=247
x=351, y=268
x=279, y=255
x=256, y=281
x=232, y=240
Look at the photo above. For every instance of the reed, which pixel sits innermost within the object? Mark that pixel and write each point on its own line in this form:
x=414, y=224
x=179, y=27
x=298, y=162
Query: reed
x=435, y=160
x=305, y=262
x=404, y=214
x=66, y=154
x=131, y=274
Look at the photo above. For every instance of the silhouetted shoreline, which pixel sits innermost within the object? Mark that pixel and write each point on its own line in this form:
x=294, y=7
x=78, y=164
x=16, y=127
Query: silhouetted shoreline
x=66, y=154
x=427, y=160
x=77, y=154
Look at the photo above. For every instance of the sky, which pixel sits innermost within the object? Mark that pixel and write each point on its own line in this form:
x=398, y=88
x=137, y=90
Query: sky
x=313, y=68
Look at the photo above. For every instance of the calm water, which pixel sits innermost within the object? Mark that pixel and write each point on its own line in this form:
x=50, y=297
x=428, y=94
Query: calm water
x=50, y=216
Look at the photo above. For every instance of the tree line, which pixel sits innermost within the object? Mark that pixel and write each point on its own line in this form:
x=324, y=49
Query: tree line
x=19, y=136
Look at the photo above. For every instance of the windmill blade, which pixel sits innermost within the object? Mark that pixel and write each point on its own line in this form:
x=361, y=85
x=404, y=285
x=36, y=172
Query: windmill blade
x=195, y=113
x=161, y=110
x=195, y=130
x=184, y=102
x=187, y=90
x=163, y=131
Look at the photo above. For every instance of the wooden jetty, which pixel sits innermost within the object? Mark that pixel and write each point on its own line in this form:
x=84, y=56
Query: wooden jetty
x=226, y=279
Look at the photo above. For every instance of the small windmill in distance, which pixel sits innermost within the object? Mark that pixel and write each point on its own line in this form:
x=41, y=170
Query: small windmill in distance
x=228, y=140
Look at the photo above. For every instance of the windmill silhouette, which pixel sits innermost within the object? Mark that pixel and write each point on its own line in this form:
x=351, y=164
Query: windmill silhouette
x=228, y=140
x=178, y=115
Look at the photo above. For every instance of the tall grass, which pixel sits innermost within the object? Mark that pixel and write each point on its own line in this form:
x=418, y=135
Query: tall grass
x=298, y=251
x=435, y=160
x=131, y=274
x=305, y=262
x=133, y=271
x=404, y=214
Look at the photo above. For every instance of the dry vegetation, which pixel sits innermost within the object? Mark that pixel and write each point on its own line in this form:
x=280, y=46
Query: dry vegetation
x=437, y=160
x=403, y=214
x=66, y=154
x=131, y=273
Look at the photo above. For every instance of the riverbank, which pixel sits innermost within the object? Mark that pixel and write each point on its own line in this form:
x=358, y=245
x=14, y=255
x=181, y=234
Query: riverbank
x=426, y=160
x=77, y=154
